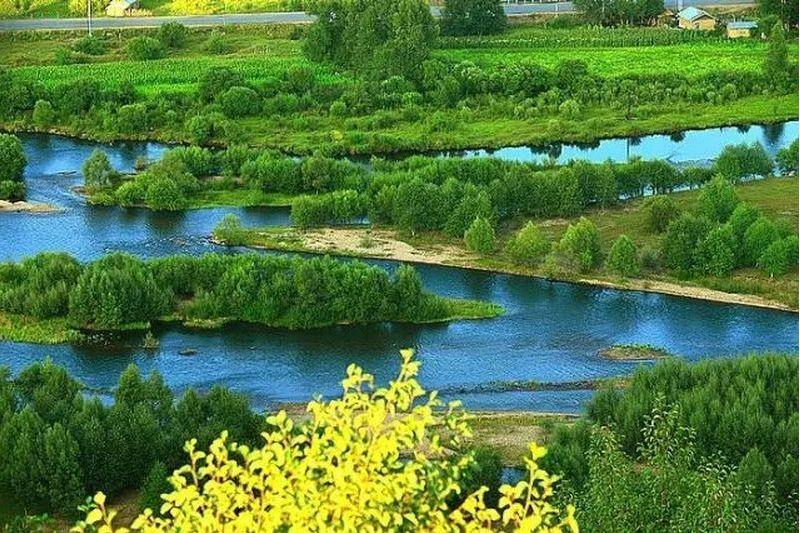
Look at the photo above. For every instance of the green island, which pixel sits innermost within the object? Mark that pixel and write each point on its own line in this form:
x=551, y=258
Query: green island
x=52, y=298
x=634, y=352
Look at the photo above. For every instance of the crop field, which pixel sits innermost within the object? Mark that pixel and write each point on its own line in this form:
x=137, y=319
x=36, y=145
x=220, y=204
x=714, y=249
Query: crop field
x=688, y=59
x=60, y=8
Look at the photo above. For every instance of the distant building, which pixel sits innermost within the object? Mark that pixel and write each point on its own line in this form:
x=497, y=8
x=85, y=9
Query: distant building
x=742, y=28
x=692, y=18
x=121, y=8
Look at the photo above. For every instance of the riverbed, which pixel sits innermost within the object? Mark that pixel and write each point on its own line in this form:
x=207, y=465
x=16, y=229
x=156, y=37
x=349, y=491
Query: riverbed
x=551, y=331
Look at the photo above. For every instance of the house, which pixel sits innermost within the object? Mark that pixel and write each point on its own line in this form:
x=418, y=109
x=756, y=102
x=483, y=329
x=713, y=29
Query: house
x=742, y=28
x=121, y=8
x=692, y=18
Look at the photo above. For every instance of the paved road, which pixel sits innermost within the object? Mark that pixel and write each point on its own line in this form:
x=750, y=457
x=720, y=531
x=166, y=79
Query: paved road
x=275, y=18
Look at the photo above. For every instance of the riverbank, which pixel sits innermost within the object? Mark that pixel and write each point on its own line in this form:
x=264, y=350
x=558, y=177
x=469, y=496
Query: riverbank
x=27, y=207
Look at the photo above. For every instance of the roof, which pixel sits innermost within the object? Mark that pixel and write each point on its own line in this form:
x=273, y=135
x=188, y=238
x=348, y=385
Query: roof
x=692, y=13
x=742, y=25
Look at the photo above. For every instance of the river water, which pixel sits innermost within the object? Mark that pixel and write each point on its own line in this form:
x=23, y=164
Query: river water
x=550, y=332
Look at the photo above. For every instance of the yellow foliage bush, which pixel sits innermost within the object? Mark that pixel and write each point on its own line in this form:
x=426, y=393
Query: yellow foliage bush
x=374, y=460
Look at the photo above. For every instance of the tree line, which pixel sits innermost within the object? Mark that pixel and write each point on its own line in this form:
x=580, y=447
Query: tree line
x=711, y=446
x=121, y=290
x=12, y=166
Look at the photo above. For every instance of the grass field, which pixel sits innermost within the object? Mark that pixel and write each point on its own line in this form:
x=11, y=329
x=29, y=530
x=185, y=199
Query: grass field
x=60, y=9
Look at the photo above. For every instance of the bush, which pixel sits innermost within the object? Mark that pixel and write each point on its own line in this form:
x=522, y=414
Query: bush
x=215, y=43
x=130, y=193
x=216, y=81
x=716, y=252
x=740, y=161
x=90, y=45
x=680, y=242
x=622, y=260
x=393, y=477
x=200, y=128
x=580, y=245
x=43, y=113
x=145, y=49
x=779, y=256
x=12, y=190
x=659, y=211
x=758, y=237
x=717, y=200
x=155, y=484
x=240, y=102
x=529, y=245
x=163, y=194
x=98, y=172
x=172, y=35
x=479, y=237
x=473, y=17
x=787, y=159
x=12, y=158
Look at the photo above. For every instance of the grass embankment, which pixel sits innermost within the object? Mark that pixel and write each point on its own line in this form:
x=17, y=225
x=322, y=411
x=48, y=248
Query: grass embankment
x=209, y=198
x=777, y=198
x=258, y=53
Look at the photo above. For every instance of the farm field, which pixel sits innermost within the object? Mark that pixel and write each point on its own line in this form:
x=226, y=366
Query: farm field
x=61, y=9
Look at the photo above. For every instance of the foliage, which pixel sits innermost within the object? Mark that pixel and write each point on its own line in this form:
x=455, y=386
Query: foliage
x=740, y=161
x=659, y=211
x=787, y=159
x=779, y=256
x=622, y=259
x=98, y=172
x=91, y=45
x=79, y=8
x=680, y=241
x=783, y=11
x=172, y=35
x=615, y=12
x=479, y=237
x=529, y=245
x=776, y=64
x=715, y=254
x=717, y=200
x=12, y=158
x=758, y=237
x=473, y=17
x=580, y=245
x=380, y=37
x=369, y=460
x=43, y=113
x=145, y=48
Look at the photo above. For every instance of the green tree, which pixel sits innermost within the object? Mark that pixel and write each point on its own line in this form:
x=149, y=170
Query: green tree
x=98, y=172
x=758, y=238
x=717, y=200
x=479, y=237
x=173, y=34
x=740, y=161
x=787, y=159
x=163, y=194
x=155, y=484
x=776, y=63
x=473, y=17
x=680, y=242
x=62, y=471
x=580, y=245
x=529, y=245
x=622, y=260
x=779, y=256
x=784, y=10
x=43, y=113
x=716, y=252
x=12, y=158
x=659, y=211
x=144, y=49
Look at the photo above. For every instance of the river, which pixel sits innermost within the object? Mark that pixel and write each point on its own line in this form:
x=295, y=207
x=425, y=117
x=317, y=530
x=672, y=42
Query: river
x=550, y=332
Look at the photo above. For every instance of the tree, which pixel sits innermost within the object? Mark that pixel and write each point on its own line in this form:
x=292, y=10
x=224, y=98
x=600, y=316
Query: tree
x=615, y=12
x=479, y=237
x=473, y=17
x=680, y=242
x=784, y=10
x=375, y=452
x=43, y=113
x=622, y=259
x=12, y=158
x=155, y=484
x=580, y=245
x=758, y=237
x=79, y=8
x=659, y=211
x=716, y=252
x=144, y=49
x=776, y=63
x=379, y=37
x=740, y=161
x=172, y=34
x=717, y=200
x=163, y=194
x=98, y=172
x=62, y=471
x=779, y=256
x=529, y=245
x=787, y=159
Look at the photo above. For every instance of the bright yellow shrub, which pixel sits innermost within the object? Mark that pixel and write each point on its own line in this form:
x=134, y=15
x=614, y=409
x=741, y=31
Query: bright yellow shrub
x=373, y=460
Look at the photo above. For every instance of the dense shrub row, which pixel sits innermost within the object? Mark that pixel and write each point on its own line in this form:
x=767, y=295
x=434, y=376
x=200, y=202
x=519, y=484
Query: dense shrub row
x=59, y=446
x=12, y=166
x=732, y=422
x=120, y=290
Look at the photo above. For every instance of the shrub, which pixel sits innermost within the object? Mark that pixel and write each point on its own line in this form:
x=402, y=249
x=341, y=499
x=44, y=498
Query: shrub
x=740, y=161
x=680, y=242
x=758, y=238
x=216, y=81
x=163, y=194
x=402, y=477
x=131, y=193
x=717, y=200
x=580, y=245
x=155, y=484
x=43, y=113
x=622, y=259
x=473, y=17
x=215, y=43
x=569, y=109
x=98, y=172
x=12, y=158
x=12, y=190
x=659, y=211
x=145, y=49
x=200, y=128
x=90, y=45
x=479, y=237
x=529, y=245
x=716, y=252
x=787, y=159
x=172, y=35
x=240, y=102
x=229, y=230
x=779, y=256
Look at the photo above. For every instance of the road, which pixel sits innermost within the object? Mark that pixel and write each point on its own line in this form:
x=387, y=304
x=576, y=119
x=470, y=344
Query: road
x=275, y=18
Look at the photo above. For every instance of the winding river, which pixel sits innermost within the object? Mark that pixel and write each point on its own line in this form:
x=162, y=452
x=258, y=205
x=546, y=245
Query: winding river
x=550, y=332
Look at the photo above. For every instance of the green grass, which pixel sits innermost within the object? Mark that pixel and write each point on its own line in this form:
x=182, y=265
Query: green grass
x=19, y=328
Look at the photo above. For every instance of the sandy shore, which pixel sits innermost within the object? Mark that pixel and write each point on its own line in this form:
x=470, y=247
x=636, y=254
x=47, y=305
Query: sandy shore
x=383, y=244
x=26, y=207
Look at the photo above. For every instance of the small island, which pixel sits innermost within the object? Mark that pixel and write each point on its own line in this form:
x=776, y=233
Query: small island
x=634, y=352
